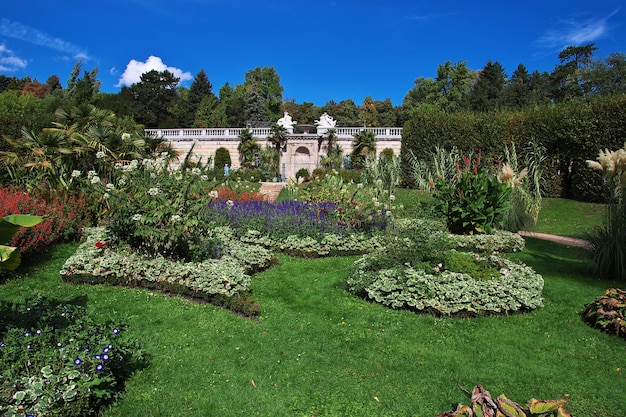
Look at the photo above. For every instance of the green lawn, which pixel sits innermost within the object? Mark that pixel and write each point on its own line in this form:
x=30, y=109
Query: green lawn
x=316, y=350
x=567, y=217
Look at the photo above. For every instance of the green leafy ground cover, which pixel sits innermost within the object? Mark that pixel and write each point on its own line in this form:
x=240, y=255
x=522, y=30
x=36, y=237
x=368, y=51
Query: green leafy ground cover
x=317, y=350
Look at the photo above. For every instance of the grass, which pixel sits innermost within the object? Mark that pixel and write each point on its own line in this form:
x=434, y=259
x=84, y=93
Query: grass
x=570, y=218
x=316, y=350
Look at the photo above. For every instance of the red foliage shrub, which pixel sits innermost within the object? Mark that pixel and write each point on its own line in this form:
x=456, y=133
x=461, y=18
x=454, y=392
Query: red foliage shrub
x=225, y=194
x=65, y=218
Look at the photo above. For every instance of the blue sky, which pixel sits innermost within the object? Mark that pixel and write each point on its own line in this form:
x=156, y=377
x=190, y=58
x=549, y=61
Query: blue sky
x=322, y=50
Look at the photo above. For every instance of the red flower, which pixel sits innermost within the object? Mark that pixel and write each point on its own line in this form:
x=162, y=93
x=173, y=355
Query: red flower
x=100, y=245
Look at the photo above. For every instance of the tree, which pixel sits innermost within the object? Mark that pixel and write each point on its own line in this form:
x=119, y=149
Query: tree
x=346, y=112
x=423, y=88
x=368, y=112
x=566, y=78
x=54, y=84
x=255, y=110
x=82, y=90
x=363, y=146
x=278, y=137
x=266, y=82
x=36, y=89
x=452, y=87
x=486, y=93
x=248, y=148
x=386, y=113
x=200, y=90
x=517, y=94
x=153, y=96
x=606, y=77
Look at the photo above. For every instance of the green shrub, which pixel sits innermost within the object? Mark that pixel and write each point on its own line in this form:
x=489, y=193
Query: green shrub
x=303, y=173
x=222, y=158
x=57, y=361
x=608, y=312
x=156, y=211
x=475, y=202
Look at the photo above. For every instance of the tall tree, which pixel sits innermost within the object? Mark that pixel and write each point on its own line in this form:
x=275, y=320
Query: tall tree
x=266, y=82
x=452, y=86
x=199, y=90
x=82, y=90
x=346, y=112
x=369, y=113
x=486, y=93
x=387, y=114
x=566, y=78
x=255, y=110
x=153, y=95
x=516, y=94
x=606, y=77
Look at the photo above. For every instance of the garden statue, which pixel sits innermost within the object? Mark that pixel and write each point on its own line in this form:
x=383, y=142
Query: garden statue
x=287, y=122
x=324, y=123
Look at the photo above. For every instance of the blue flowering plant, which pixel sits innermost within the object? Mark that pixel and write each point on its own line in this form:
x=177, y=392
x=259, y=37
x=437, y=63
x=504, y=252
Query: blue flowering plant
x=56, y=360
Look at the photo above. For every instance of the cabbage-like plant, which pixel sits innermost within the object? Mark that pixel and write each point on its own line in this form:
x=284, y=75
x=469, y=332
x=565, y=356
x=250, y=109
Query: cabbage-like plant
x=10, y=257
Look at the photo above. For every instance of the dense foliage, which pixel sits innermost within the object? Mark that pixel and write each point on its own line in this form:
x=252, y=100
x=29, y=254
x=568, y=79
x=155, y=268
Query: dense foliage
x=608, y=312
x=570, y=133
x=66, y=215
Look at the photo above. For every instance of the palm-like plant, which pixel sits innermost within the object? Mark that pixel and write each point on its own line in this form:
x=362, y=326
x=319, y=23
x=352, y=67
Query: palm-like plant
x=247, y=148
x=364, y=145
x=83, y=139
x=278, y=137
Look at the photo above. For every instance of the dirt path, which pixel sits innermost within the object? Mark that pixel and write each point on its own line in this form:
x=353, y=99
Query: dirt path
x=570, y=241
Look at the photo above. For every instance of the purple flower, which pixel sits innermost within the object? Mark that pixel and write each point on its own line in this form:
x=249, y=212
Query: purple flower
x=99, y=367
x=78, y=361
x=116, y=330
x=105, y=357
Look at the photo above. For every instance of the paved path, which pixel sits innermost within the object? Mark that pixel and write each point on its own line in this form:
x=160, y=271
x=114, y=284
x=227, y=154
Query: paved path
x=270, y=190
x=570, y=241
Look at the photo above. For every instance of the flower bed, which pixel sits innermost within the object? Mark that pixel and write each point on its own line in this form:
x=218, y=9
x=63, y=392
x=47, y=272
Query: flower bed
x=448, y=293
x=96, y=262
x=57, y=361
x=424, y=268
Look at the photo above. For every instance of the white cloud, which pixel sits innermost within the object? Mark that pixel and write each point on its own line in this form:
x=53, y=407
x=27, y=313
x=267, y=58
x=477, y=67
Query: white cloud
x=9, y=62
x=575, y=31
x=134, y=69
x=25, y=33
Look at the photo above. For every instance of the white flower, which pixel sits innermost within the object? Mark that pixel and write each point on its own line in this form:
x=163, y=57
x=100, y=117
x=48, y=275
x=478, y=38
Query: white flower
x=137, y=217
x=106, y=196
x=392, y=197
x=75, y=174
x=175, y=218
x=122, y=182
x=204, y=177
x=230, y=203
x=95, y=179
x=125, y=136
x=196, y=171
x=91, y=174
x=110, y=186
x=213, y=194
x=100, y=155
x=154, y=191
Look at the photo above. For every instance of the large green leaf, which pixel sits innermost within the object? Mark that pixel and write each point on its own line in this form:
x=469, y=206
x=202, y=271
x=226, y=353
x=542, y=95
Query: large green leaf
x=10, y=257
x=10, y=224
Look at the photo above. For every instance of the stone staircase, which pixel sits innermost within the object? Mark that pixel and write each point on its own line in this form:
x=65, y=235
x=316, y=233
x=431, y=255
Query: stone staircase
x=270, y=190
